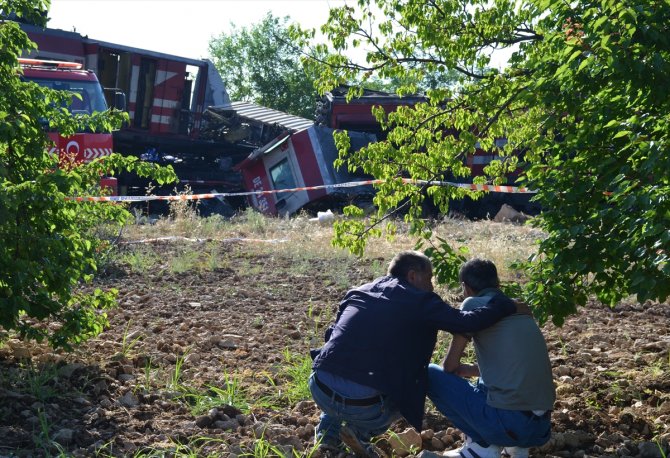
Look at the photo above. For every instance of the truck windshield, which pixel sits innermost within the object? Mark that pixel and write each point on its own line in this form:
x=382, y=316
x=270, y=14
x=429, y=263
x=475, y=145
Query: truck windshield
x=92, y=97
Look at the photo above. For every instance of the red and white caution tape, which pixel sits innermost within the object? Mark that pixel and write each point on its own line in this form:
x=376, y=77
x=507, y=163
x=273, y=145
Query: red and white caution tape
x=351, y=184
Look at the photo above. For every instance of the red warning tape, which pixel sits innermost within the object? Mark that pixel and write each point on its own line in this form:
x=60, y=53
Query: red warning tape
x=351, y=184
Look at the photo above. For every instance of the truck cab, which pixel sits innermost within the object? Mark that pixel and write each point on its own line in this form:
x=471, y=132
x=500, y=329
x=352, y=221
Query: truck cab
x=69, y=76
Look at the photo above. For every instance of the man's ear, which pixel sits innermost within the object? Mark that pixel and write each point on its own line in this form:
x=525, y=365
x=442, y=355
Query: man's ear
x=411, y=277
x=467, y=289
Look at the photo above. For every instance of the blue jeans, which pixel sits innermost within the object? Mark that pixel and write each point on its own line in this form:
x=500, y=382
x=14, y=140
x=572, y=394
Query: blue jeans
x=465, y=405
x=364, y=421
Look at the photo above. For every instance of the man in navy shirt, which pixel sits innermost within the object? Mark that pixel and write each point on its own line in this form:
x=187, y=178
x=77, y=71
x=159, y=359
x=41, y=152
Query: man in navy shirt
x=373, y=368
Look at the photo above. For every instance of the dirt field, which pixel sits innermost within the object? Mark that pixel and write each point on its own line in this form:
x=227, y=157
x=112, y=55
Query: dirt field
x=208, y=358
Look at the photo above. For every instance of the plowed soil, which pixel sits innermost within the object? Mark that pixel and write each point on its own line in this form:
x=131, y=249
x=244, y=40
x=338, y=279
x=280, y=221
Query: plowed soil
x=205, y=361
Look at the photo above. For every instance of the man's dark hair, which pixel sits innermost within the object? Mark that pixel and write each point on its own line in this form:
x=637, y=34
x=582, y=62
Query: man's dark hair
x=479, y=274
x=408, y=260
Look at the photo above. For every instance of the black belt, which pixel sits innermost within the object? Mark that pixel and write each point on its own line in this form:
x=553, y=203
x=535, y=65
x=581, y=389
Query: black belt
x=347, y=401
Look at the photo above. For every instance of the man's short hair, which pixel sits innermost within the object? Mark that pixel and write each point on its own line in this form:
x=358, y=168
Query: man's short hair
x=479, y=274
x=408, y=260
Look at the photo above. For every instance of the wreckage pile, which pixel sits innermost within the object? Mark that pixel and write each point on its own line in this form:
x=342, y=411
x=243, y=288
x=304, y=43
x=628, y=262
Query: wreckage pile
x=246, y=123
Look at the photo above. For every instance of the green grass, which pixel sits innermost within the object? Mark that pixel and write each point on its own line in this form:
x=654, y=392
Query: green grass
x=297, y=368
x=139, y=258
x=201, y=400
x=263, y=448
x=127, y=344
x=198, y=447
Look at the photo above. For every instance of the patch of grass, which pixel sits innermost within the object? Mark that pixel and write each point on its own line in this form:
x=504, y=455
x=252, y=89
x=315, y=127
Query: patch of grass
x=319, y=318
x=127, y=343
x=38, y=381
x=297, y=369
x=184, y=261
x=231, y=393
x=141, y=259
x=174, y=380
x=441, y=347
x=255, y=222
x=42, y=439
x=262, y=448
x=198, y=447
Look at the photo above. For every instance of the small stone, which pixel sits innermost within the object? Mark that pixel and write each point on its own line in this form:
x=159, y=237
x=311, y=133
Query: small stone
x=67, y=370
x=436, y=443
x=427, y=434
x=129, y=400
x=227, y=344
x=63, y=436
x=302, y=421
x=203, y=421
x=192, y=358
x=229, y=425
x=562, y=370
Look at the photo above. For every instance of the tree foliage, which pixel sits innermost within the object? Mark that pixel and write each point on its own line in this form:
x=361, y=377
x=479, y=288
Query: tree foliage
x=583, y=104
x=262, y=65
x=49, y=246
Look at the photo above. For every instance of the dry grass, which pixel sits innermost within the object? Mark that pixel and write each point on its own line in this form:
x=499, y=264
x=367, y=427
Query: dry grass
x=301, y=239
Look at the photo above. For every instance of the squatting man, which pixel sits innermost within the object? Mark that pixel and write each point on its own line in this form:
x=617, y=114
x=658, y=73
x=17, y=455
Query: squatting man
x=508, y=408
x=373, y=368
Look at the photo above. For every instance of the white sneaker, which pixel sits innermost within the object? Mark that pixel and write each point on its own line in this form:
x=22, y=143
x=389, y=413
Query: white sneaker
x=516, y=452
x=472, y=449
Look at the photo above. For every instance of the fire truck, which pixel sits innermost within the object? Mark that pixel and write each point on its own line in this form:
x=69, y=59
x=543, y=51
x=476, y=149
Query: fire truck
x=82, y=147
x=166, y=98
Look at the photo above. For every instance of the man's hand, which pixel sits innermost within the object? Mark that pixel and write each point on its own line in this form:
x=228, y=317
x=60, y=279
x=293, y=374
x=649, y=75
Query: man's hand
x=467, y=370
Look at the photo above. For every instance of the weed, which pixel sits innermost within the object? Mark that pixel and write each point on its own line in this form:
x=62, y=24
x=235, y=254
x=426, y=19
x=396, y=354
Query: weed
x=140, y=259
x=297, y=370
x=184, y=261
x=174, y=379
x=592, y=401
x=319, y=319
x=148, y=377
x=127, y=343
x=199, y=447
x=258, y=322
x=658, y=367
x=42, y=440
x=257, y=222
x=564, y=346
x=213, y=258
x=38, y=381
x=213, y=226
x=378, y=268
x=231, y=393
x=184, y=212
x=262, y=448
x=412, y=449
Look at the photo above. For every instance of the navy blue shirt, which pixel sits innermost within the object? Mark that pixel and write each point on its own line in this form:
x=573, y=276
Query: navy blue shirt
x=385, y=334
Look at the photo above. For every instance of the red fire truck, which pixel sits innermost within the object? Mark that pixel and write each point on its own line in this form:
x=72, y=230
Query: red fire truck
x=166, y=98
x=69, y=76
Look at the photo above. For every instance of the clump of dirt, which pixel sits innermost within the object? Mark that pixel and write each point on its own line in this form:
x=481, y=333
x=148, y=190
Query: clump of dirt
x=208, y=361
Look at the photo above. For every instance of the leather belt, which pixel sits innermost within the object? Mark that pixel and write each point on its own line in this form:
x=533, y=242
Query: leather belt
x=347, y=401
